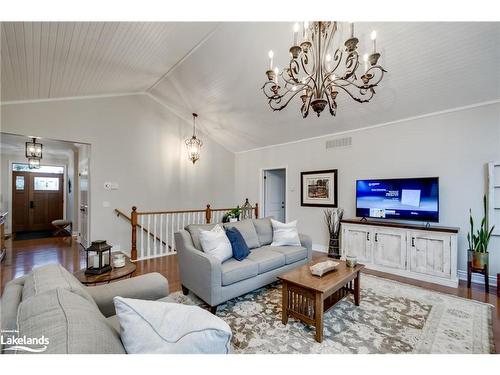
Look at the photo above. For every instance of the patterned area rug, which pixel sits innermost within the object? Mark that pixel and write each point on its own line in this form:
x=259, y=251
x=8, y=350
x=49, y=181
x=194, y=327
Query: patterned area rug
x=392, y=318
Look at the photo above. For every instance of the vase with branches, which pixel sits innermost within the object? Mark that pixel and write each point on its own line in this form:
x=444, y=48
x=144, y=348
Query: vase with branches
x=332, y=218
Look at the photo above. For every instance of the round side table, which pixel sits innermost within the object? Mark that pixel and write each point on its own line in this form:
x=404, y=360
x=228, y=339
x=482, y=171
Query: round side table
x=115, y=274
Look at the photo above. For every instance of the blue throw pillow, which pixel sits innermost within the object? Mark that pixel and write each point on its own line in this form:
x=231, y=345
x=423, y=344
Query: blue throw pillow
x=238, y=244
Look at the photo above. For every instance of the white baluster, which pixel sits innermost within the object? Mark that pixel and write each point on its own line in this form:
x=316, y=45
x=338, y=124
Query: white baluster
x=141, y=249
x=154, y=234
x=161, y=234
x=149, y=235
x=172, y=234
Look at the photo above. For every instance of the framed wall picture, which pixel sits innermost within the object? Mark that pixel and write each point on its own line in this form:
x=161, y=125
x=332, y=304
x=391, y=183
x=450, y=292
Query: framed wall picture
x=319, y=188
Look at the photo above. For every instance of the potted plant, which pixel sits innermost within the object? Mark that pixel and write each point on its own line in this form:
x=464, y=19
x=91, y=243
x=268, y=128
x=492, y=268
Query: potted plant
x=232, y=215
x=478, y=242
x=332, y=219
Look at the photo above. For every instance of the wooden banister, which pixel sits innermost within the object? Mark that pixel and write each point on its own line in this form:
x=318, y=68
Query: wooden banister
x=134, y=238
x=134, y=215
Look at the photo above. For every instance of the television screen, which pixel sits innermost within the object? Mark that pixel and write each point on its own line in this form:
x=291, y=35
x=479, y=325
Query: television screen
x=402, y=198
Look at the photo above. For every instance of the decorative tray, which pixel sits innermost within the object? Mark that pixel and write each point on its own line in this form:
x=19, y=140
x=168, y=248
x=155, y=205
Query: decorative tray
x=322, y=268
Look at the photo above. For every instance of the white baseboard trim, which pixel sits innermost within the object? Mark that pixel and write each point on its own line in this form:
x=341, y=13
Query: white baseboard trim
x=477, y=279
x=320, y=248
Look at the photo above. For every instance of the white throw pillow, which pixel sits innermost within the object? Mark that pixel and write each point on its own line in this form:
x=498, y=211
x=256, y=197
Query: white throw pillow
x=285, y=234
x=154, y=327
x=216, y=243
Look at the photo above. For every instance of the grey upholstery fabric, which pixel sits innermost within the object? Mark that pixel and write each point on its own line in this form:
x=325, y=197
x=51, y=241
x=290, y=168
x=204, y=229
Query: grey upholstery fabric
x=11, y=298
x=52, y=276
x=264, y=230
x=71, y=323
x=291, y=253
x=234, y=271
x=114, y=323
x=267, y=259
x=151, y=286
x=248, y=232
x=202, y=273
x=195, y=229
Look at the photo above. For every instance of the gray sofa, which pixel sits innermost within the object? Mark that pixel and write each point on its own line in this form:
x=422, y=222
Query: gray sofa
x=216, y=283
x=52, y=303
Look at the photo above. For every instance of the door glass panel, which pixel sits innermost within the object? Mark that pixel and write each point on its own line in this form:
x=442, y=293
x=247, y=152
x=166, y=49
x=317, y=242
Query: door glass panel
x=47, y=183
x=22, y=167
x=19, y=182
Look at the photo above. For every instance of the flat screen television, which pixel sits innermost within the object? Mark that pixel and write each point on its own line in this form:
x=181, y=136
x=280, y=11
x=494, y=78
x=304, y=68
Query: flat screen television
x=399, y=198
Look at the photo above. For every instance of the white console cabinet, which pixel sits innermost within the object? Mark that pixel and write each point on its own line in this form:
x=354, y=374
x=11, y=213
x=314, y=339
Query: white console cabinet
x=414, y=251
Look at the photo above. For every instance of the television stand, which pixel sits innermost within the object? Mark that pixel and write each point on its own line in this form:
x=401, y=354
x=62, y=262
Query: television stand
x=364, y=219
x=403, y=249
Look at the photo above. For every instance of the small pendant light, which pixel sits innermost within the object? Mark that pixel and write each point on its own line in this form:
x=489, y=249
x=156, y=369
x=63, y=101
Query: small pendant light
x=194, y=144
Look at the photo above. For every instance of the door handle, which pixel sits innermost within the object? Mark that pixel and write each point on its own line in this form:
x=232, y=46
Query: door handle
x=413, y=242
x=376, y=237
x=368, y=236
x=32, y=204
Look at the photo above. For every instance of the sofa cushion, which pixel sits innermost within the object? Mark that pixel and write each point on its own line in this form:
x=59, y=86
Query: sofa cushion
x=234, y=270
x=267, y=259
x=69, y=322
x=247, y=230
x=152, y=327
x=292, y=253
x=215, y=243
x=285, y=234
x=195, y=229
x=264, y=230
x=238, y=244
x=50, y=277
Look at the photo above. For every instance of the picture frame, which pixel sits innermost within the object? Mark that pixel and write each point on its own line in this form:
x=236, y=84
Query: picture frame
x=319, y=188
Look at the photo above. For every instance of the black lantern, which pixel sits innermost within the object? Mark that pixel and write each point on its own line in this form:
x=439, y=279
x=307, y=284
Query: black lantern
x=33, y=149
x=98, y=258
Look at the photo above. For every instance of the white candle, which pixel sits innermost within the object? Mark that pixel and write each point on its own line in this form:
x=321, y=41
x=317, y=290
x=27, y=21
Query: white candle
x=276, y=71
x=374, y=38
x=271, y=55
x=295, y=33
x=365, y=58
x=306, y=27
x=352, y=29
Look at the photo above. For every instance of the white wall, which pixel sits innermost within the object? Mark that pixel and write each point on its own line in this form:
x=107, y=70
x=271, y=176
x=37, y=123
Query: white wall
x=136, y=143
x=454, y=146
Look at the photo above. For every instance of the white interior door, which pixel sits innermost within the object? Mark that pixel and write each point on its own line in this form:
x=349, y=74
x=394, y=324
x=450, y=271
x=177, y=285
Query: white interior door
x=83, y=194
x=275, y=194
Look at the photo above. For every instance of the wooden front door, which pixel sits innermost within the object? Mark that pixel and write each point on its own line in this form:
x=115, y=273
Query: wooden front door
x=37, y=200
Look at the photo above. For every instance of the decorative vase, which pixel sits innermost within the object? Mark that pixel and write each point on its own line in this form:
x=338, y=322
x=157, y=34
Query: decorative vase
x=334, y=247
x=479, y=260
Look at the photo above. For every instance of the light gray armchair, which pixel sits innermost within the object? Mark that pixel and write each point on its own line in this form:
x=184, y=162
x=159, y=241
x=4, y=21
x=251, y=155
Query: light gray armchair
x=216, y=282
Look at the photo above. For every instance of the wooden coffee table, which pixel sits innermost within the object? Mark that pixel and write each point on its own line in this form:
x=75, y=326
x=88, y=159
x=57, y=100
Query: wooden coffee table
x=307, y=297
x=115, y=274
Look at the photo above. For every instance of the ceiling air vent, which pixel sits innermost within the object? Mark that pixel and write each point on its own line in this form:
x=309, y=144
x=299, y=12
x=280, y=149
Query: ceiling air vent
x=339, y=143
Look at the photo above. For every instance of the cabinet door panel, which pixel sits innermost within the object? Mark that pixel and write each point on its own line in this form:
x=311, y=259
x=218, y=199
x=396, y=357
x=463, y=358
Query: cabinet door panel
x=357, y=242
x=389, y=248
x=430, y=254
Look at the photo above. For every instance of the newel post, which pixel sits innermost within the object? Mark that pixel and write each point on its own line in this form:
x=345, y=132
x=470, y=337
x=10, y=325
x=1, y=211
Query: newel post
x=256, y=210
x=133, y=220
x=208, y=214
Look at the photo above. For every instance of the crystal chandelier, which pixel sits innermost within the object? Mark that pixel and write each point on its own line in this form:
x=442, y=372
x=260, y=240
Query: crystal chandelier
x=194, y=144
x=318, y=71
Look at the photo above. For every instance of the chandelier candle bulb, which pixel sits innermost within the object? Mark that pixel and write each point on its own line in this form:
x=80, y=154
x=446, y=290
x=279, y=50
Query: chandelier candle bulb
x=295, y=33
x=270, y=55
x=374, y=38
x=306, y=26
x=352, y=29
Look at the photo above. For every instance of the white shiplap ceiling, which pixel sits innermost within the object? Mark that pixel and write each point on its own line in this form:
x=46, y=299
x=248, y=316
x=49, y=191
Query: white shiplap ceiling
x=62, y=59
x=218, y=70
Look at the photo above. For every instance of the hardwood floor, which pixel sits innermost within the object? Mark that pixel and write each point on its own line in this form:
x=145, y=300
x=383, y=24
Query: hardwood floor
x=22, y=256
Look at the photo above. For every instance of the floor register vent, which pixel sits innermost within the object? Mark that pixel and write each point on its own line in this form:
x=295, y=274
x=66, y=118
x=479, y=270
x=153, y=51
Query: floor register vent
x=339, y=143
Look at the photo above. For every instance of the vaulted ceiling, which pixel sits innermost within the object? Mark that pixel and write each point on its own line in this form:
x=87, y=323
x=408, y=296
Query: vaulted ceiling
x=218, y=70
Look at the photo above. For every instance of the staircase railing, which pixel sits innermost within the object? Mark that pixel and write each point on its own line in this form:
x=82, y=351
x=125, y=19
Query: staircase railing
x=155, y=237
